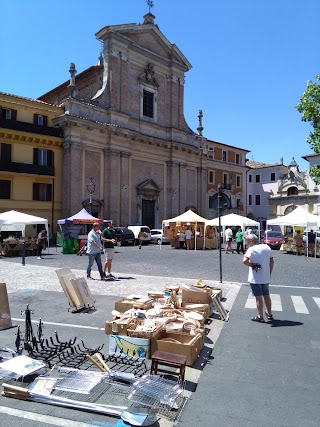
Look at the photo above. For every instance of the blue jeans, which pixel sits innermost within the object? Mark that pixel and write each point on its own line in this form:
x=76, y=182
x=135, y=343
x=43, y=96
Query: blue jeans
x=95, y=258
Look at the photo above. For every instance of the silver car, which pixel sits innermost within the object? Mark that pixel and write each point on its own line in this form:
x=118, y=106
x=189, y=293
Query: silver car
x=158, y=237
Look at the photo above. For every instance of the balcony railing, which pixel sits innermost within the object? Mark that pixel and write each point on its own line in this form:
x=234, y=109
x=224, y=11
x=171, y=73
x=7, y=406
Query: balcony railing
x=26, y=168
x=30, y=127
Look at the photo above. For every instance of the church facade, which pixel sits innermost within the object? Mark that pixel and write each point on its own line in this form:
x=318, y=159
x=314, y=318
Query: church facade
x=124, y=127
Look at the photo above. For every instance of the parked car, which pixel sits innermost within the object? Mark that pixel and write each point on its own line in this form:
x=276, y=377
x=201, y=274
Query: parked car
x=158, y=237
x=125, y=236
x=136, y=229
x=274, y=239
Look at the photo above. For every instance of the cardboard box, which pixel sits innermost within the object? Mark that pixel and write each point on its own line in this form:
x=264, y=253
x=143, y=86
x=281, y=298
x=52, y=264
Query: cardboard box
x=127, y=303
x=196, y=295
x=154, y=333
x=179, y=343
x=119, y=326
x=136, y=347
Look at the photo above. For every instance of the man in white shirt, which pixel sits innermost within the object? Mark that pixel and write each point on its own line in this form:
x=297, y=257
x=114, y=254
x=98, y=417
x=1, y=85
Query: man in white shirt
x=229, y=237
x=260, y=261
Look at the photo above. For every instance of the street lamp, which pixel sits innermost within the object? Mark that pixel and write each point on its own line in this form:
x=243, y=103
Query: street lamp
x=90, y=187
x=219, y=216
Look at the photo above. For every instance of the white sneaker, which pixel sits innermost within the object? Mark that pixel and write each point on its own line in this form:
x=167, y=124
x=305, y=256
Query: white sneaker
x=39, y=257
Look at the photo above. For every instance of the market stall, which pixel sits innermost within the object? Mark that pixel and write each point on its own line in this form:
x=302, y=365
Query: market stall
x=297, y=218
x=233, y=220
x=173, y=227
x=18, y=223
x=73, y=234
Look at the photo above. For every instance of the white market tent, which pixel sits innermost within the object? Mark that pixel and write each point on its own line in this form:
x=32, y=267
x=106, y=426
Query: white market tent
x=17, y=221
x=233, y=220
x=298, y=217
x=81, y=217
x=188, y=217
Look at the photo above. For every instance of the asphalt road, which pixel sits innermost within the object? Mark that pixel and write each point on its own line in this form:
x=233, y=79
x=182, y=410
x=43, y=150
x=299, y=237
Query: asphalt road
x=151, y=260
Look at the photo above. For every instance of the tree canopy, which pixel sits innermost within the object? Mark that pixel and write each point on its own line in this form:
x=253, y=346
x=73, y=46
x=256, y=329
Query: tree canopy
x=309, y=107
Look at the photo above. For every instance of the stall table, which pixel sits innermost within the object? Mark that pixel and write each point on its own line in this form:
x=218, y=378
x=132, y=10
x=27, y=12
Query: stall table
x=15, y=249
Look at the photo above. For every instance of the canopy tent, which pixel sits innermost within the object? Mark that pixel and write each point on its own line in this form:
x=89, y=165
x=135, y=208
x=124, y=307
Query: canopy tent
x=233, y=220
x=82, y=217
x=186, y=218
x=297, y=217
x=17, y=221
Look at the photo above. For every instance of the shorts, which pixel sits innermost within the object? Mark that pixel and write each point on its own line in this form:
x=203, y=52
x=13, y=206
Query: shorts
x=109, y=252
x=259, y=290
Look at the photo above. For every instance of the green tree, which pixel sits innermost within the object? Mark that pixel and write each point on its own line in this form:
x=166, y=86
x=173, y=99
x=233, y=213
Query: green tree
x=309, y=107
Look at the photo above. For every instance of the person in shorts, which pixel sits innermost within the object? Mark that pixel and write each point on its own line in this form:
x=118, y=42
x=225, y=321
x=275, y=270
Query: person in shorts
x=108, y=238
x=259, y=259
x=229, y=237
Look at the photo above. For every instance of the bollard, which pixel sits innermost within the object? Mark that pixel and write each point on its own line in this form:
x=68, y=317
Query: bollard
x=5, y=316
x=24, y=253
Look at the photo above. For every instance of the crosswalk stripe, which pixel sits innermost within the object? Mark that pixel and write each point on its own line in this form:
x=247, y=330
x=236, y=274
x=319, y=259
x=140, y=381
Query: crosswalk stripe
x=251, y=301
x=299, y=305
x=317, y=301
x=276, y=302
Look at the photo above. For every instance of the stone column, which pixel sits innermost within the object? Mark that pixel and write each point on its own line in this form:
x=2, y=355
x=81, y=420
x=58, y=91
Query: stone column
x=72, y=176
x=125, y=189
x=173, y=172
x=112, y=185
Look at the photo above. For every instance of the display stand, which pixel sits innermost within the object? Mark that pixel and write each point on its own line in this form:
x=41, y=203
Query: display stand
x=217, y=307
x=76, y=290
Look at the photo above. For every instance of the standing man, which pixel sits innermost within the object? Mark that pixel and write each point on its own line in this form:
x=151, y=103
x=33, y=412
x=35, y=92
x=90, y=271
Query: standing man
x=109, y=239
x=94, y=248
x=228, y=237
x=298, y=241
x=41, y=242
x=311, y=243
x=188, y=235
x=239, y=240
x=259, y=259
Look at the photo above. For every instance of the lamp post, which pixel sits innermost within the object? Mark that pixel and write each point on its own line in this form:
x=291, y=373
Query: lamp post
x=219, y=216
x=90, y=187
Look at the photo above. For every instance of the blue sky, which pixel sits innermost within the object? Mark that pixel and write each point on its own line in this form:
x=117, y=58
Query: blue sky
x=251, y=60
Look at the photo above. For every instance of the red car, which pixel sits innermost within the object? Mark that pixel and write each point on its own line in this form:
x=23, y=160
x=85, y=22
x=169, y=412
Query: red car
x=274, y=239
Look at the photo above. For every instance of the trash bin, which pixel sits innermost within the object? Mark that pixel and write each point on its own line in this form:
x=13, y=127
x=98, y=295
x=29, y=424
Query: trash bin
x=68, y=246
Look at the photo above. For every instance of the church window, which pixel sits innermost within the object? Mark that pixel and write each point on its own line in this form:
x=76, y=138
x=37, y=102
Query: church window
x=148, y=101
x=292, y=191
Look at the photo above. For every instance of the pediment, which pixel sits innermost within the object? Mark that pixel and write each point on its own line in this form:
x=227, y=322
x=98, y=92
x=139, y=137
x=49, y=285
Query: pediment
x=148, y=185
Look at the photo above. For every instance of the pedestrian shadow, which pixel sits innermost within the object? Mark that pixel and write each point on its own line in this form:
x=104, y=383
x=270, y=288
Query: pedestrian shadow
x=278, y=323
x=126, y=278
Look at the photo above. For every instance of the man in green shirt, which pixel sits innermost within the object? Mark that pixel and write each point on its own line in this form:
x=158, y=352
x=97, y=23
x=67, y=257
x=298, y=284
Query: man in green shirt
x=109, y=239
x=239, y=240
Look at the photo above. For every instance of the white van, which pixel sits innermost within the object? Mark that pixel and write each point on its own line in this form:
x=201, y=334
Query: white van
x=136, y=229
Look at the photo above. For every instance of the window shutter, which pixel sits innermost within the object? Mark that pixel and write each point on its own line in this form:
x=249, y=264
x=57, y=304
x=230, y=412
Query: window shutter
x=13, y=114
x=35, y=119
x=49, y=158
x=49, y=192
x=45, y=121
x=35, y=156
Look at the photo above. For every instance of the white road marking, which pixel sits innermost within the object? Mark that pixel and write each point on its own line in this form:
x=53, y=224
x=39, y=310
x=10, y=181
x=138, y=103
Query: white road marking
x=317, y=301
x=251, y=301
x=61, y=324
x=46, y=419
x=276, y=302
x=299, y=305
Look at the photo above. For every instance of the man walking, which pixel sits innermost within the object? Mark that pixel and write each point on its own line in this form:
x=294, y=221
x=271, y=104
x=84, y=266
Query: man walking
x=228, y=237
x=259, y=259
x=94, y=248
x=239, y=240
x=109, y=239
